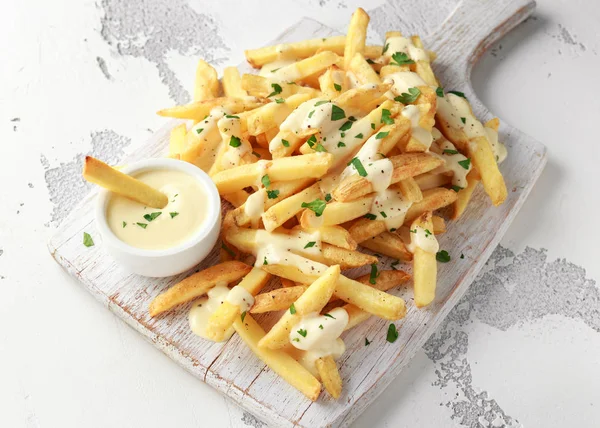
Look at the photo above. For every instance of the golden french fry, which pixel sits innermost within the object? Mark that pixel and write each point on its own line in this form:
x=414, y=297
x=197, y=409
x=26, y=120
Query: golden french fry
x=197, y=284
x=277, y=300
x=363, y=72
x=306, y=67
x=97, y=172
x=389, y=244
x=357, y=36
x=431, y=180
x=198, y=110
x=347, y=259
x=335, y=235
x=313, y=299
x=330, y=376
x=278, y=361
x=222, y=319
x=232, y=83
x=410, y=189
x=333, y=82
x=237, y=198
x=337, y=213
x=424, y=266
x=177, y=140
x=439, y=225
x=206, y=85
x=290, y=168
x=464, y=195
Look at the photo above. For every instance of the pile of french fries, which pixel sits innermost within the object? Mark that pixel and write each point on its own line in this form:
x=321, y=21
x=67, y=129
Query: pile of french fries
x=243, y=132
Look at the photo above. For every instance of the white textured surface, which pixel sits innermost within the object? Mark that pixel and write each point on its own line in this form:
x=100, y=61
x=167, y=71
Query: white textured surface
x=68, y=362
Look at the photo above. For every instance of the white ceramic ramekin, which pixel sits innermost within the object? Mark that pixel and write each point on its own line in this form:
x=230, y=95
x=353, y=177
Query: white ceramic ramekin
x=171, y=261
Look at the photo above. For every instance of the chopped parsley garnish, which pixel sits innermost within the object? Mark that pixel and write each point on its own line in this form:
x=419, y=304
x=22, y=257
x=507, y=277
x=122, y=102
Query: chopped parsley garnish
x=372, y=126
x=330, y=316
x=392, y=334
x=460, y=94
x=465, y=163
x=385, y=48
x=311, y=141
x=256, y=154
x=265, y=262
x=124, y=224
x=285, y=143
x=320, y=148
x=227, y=249
x=230, y=116
x=400, y=58
x=341, y=144
x=367, y=342
x=199, y=130
x=276, y=90
x=393, y=229
x=319, y=103
x=346, y=126
x=410, y=97
x=302, y=332
x=352, y=118
x=275, y=69
x=328, y=197
x=342, y=134
x=442, y=256
x=317, y=206
x=370, y=61
x=371, y=216
x=265, y=180
x=321, y=326
x=381, y=135
x=173, y=214
x=279, y=100
x=152, y=216
x=373, y=276
x=295, y=339
x=359, y=135
x=310, y=114
x=456, y=188
x=235, y=141
x=87, y=240
x=272, y=194
x=383, y=214
x=386, y=117
x=463, y=120
x=337, y=87
x=450, y=152
x=243, y=315
x=292, y=309
x=462, y=256
x=358, y=166
x=337, y=113
x=428, y=233
x=142, y=225
x=310, y=244
x=440, y=92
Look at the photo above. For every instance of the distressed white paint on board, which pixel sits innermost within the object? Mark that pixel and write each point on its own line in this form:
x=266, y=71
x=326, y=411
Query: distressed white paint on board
x=231, y=367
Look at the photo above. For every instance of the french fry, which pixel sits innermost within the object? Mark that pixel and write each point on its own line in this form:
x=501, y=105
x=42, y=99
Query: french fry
x=424, y=266
x=237, y=198
x=271, y=115
x=330, y=376
x=277, y=300
x=97, y=172
x=306, y=67
x=410, y=189
x=177, y=140
x=259, y=57
x=431, y=180
x=357, y=36
x=335, y=235
x=222, y=319
x=337, y=213
x=333, y=82
x=347, y=259
x=232, y=83
x=292, y=168
x=363, y=71
x=439, y=225
x=464, y=195
x=259, y=86
x=313, y=299
x=206, y=85
x=200, y=109
x=278, y=361
x=389, y=244
x=197, y=284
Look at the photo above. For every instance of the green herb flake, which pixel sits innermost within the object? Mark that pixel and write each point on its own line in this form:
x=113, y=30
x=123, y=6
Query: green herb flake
x=341, y=144
x=173, y=214
x=87, y=240
x=317, y=206
x=367, y=342
x=320, y=103
x=463, y=120
x=328, y=197
x=370, y=61
x=311, y=141
x=400, y=58
x=465, y=163
x=228, y=250
x=265, y=262
x=372, y=126
x=292, y=309
x=152, y=216
x=385, y=48
x=386, y=117
x=320, y=148
x=321, y=326
x=440, y=92
x=352, y=119
x=272, y=194
x=462, y=256
x=410, y=97
x=124, y=224
x=256, y=154
x=275, y=69
x=142, y=225
x=230, y=116
x=358, y=166
x=337, y=87
x=310, y=244
x=295, y=339
x=371, y=216
x=279, y=100
x=383, y=214
x=235, y=141
x=337, y=113
x=310, y=113
x=265, y=180
x=373, y=276
x=330, y=316
x=456, y=188
x=285, y=143
x=381, y=135
x=450, y=152
x=276, y=90
x=359, y=135
x=442, y=256
x=199, y=130
x=346, y=126
x=392, y=333
x=457, y=93
x=302, y=332
x=243, y=315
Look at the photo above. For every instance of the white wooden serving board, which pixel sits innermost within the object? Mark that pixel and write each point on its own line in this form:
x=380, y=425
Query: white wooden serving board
x=231, y=367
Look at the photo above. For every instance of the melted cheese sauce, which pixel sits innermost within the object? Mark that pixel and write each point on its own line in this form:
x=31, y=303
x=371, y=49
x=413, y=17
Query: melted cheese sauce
x=318, y=335
x=404, y=44
x=454, y=109
x=282, y=249
x=254, y=207
x=424, y=136
x=239, y=296
x=390, y=206
x=459, y=172
x=231, y=127
x=498, y=148
x=204, y=307
x=379, y=169
x=402, y=81
x=424, y=239
x=164, y=228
